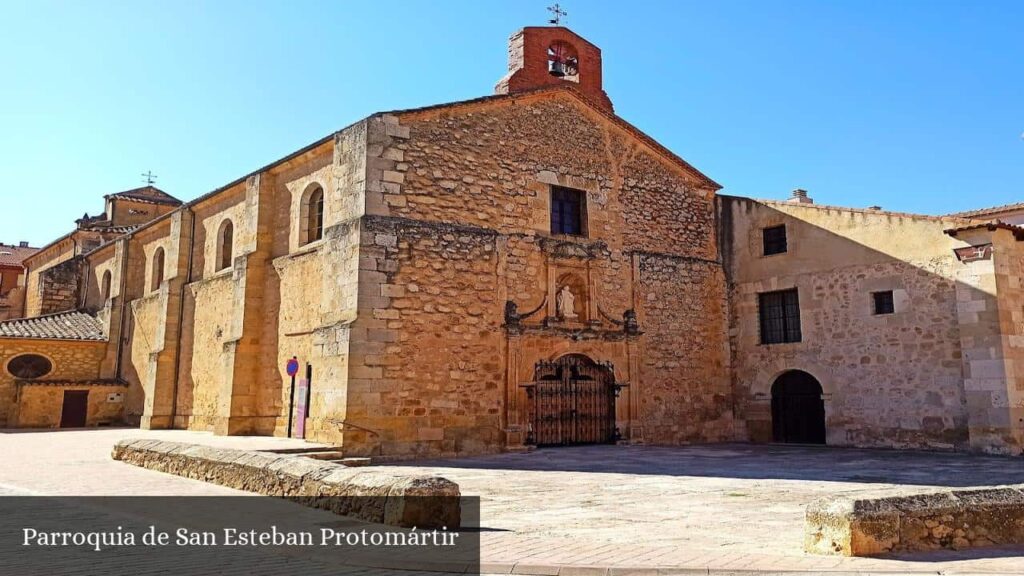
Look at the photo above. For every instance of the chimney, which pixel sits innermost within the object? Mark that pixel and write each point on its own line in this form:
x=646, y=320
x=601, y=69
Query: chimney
x=23, y=244
x=800, y=197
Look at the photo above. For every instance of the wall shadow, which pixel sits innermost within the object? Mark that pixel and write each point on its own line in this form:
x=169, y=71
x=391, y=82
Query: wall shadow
x=759, y=462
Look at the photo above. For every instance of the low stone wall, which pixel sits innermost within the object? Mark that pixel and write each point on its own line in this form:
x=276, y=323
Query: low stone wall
x=953, y=520
x=393, y=499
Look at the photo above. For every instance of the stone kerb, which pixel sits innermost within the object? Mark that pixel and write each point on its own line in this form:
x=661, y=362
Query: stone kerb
x=392, y=499
x=954, y=520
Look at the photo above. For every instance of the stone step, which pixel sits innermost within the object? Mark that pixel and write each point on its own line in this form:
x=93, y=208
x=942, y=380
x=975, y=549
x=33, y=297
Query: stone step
x=353, y=462
x=304, y=450
x=332, y=455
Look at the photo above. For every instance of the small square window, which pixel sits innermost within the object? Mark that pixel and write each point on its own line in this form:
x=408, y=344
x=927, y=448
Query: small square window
x=775, y=240
x=883, y=302
x=568, y=211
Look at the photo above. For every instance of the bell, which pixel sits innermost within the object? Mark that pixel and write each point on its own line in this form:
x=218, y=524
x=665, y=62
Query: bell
x=557, y=68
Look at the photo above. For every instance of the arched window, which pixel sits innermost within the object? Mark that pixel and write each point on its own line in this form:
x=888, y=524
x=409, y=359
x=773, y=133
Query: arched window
x=158, y=269
x=105, y=286
x=225, y=245
x=313, y=215
x=563, y=62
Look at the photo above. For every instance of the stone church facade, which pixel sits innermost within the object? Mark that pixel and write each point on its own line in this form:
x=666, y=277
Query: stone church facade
x=516, y=270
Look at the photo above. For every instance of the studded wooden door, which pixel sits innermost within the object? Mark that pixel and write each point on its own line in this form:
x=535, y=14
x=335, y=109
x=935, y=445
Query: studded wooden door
x=572, y=401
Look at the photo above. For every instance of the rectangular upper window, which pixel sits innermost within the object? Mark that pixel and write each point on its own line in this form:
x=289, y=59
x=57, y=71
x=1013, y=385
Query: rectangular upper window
x=774, y=240
x=780, y=316
x=568, y=211
x=883, y=302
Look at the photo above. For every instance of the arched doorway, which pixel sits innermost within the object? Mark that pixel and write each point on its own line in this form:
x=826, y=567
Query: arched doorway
x=572, y=401
x=798, y=411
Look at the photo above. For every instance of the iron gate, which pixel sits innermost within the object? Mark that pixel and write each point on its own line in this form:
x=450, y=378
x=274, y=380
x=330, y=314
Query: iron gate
x=573, y=402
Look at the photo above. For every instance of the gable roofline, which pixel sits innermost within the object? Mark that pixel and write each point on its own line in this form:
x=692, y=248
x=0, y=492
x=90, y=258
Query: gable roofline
x=47, y=247
x=146, y=195
x=564, y=89
x=582, y=98
x=1018, y=231
x=990, y=211
x=889, y=213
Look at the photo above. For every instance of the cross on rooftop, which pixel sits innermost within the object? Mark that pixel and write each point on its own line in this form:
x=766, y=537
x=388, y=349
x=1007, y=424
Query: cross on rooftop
x=557, y=12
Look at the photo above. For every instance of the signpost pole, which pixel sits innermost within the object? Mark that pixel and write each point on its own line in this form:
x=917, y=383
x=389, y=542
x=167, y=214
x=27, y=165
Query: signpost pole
x=293, y=368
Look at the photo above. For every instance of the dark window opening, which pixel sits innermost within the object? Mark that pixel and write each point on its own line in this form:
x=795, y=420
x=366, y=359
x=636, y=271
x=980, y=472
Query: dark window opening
x=314, y=210
x=780, y=317
x=226, y=242
x=29, y=366
x=775, y=240
x=568, y=211
x=883, y=302
x=158, y=269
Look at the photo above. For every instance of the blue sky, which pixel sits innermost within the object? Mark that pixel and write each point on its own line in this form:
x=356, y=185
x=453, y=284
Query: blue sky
x=915, y=105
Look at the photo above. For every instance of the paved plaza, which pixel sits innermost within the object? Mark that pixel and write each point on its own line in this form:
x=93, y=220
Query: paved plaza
x=588, y=510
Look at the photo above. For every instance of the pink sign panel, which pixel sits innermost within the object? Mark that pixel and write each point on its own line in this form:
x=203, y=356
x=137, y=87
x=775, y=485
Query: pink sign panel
x=301, y=410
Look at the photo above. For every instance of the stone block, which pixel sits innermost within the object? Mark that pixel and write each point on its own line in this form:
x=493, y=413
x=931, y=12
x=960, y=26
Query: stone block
x=954, y=520
x=393, y=499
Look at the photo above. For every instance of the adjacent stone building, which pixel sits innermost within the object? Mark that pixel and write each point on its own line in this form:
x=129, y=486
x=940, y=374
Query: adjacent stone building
x=521, y=269
x=12, y=278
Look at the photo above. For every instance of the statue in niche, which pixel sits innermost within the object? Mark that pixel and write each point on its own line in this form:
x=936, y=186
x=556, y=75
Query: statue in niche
x=566, y=304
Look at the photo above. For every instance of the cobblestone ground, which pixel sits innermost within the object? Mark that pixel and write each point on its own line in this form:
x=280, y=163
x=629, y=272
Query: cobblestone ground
x=723, y=507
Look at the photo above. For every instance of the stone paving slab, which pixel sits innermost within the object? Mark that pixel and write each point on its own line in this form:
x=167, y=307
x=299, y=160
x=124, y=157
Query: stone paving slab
x=721, y=507
x=607, y=509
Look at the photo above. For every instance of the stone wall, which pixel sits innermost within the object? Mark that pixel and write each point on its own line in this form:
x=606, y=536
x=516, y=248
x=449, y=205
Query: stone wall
x=59, y=286
x=891, y=380
x=71, y=360
x=991, y=313
x=954, y=520
x=459, y=223
x=39, y=405
x=378, y=497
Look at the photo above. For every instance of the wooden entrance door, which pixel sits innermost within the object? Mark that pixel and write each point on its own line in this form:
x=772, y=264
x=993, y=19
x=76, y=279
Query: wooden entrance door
x=572, y=402
x=75, y=408
x=798, y=411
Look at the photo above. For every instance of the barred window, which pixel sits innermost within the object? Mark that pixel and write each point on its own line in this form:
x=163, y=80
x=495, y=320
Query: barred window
x=884, y=303
x=780, y=316
x=568, y=211
x=774, y=240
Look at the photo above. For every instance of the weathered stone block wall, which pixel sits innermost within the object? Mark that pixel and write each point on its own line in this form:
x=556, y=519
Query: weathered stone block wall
x=991, y=314
x=459, y=205
x=59, y=287
x=37, y=264
x=40, y=406
x=889, y=380
x=148, y=357
x=372, y=496
x=12, y=303
x=954, y=520
x=209, y=394
x=684, y=389
x=426, y=371
x=314, y=286
x=71, y=360
x=492, y=166
x=127, y=212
